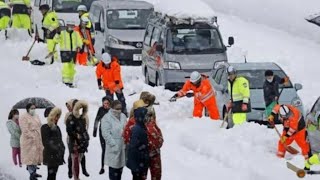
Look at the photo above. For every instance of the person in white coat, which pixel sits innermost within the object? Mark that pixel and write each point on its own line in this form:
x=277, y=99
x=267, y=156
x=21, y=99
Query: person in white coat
x=112, y=125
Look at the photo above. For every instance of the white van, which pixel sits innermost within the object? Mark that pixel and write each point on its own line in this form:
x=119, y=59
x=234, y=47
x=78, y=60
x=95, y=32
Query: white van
x=66, y=11
x=120, y=28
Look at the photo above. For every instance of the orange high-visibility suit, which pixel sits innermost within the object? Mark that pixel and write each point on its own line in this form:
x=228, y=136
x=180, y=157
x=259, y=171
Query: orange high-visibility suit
x=110, y=76
x=294, y=128
x=82, y=57
x=204, y=96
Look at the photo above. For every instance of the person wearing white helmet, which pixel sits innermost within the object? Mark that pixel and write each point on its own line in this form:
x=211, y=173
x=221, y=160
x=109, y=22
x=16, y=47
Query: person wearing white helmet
x=108, y=74
x=83, y=12
x=294, y=128
x=204, y=95
x=70, y=42
x=86, y=55
x=239, y=103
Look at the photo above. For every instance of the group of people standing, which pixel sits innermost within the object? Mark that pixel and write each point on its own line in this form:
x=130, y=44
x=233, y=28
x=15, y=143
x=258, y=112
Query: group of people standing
x=134, y=143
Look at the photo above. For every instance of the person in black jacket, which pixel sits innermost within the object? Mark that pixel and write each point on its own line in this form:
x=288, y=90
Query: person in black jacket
x=78, y=137
x=271, y=90
x=104, y=109
x=138, y=155
x=54, y=148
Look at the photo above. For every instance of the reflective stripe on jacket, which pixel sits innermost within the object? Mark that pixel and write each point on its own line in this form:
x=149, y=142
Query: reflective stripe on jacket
x=64, y=39
x=294, y=123
x=239, y=90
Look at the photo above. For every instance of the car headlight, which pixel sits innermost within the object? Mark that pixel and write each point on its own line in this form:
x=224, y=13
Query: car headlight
x=114, y=40
x=171, y=65
x=296, y=102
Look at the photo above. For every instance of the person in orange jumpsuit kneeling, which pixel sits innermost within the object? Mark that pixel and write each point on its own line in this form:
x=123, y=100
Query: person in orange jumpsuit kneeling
x=294, y=129
x=204, y=95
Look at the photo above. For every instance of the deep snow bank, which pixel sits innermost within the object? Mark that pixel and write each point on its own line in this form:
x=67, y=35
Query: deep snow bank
x=183, y=8
x=287, y=15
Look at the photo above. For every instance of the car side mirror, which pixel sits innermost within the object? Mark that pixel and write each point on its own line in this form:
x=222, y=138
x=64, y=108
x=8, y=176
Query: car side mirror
x=159, y=47
x=97, y=26
x=230, y=41
x=298, y=86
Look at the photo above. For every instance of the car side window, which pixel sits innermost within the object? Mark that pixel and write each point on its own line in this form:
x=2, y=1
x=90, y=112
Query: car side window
x=218, y=75
x=155, y=36
x=316, y=106
x=148, y=35
x=96, y=13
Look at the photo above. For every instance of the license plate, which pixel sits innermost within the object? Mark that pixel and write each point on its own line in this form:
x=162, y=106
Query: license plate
x=137, y=57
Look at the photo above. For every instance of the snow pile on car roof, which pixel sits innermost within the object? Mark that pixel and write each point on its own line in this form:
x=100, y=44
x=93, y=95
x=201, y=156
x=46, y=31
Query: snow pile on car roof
x=183, y=8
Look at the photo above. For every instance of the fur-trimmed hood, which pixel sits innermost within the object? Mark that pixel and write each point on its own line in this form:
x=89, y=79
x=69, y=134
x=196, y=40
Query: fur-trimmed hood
x=53, y=113
x=77, y=105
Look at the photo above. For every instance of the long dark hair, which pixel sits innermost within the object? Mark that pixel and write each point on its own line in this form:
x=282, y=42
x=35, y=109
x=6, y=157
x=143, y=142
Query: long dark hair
x=12, y=113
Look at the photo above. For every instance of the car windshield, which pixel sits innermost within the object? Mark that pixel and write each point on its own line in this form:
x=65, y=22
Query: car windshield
x=128, y=18
x=316, y=106
x=70, y=6
x=194, y=40
x=256, y=78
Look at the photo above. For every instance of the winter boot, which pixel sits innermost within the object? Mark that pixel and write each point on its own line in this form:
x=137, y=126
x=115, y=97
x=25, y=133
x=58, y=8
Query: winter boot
x=70, y=167
x=101, y=171
x=33, y=176
x=83, y=167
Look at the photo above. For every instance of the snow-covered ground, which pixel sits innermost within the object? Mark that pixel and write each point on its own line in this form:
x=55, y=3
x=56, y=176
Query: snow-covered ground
x=193, y=148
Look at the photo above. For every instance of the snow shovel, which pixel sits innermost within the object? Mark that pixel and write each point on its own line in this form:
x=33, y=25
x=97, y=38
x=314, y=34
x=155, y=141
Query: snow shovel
x=26, y=57
x=290, y=149
x=300, y=172
x=225, y=118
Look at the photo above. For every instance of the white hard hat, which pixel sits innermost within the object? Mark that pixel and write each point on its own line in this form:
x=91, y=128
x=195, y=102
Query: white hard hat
x=284, y=111
x=106, y=58
x=195, y=76
x=82, y=8
x=231, y=70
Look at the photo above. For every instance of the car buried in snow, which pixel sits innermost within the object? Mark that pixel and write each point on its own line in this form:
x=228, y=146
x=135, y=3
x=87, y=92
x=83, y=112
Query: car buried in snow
x=254, y=73
x=313, y=121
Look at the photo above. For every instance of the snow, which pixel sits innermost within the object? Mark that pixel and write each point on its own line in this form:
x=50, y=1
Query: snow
x=193, y=148
x=183, y=8
x=287, y=15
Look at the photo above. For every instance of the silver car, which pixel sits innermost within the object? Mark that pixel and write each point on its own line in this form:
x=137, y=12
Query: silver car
x=175, y=47
x=313, y=119
x=254, y=72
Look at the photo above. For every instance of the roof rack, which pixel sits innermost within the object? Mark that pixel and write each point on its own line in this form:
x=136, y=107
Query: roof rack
x=176, y=20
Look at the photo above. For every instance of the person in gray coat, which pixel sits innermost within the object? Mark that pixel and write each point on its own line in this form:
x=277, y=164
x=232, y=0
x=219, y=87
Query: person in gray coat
x=15, y=132
x=112, y=125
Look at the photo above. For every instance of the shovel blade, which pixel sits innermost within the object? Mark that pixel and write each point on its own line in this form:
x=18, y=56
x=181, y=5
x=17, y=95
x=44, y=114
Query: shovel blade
x=25, y=58
x=292, y=150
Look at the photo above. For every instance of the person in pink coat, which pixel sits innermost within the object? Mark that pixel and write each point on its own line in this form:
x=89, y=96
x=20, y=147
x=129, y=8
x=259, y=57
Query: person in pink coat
x=30, y=141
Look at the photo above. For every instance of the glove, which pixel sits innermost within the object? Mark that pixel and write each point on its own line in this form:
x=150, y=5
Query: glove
x=81, y=50
x=244, y=107
x=100, y=88
x=283, y=139
x=86, y=42
x=173, y=98
x=95, y=133
x=189, y=95
x=229, y=106
x=271, y=120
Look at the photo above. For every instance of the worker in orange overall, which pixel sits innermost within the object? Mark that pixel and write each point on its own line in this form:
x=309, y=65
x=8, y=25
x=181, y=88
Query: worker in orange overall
x=294, y=129
x=86, y=54
x=204, y=95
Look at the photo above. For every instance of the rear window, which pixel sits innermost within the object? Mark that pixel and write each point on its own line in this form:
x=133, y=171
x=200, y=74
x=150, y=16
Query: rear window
x=256, y=77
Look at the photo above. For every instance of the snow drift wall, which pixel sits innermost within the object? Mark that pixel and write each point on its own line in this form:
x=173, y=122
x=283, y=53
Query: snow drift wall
x=287, y=15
